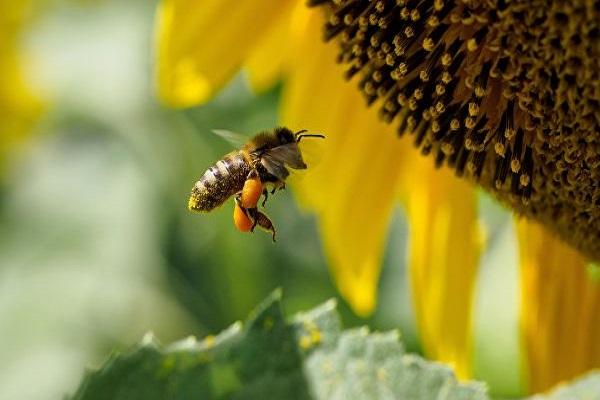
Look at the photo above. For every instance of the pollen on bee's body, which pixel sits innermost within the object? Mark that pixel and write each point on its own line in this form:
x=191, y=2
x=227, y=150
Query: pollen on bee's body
x=505, y=93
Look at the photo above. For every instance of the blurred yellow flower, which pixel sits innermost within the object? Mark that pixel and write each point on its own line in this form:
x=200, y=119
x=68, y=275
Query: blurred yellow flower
x=365, y=169
x=18, y=108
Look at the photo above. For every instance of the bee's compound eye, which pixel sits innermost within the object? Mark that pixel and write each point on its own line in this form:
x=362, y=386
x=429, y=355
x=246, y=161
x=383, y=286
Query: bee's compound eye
x=251, y=192
x=285, y=136
x=241, y=220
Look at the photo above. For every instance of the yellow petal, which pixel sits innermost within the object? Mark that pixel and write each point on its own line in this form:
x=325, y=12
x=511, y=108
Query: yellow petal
x=352, y=190
x=560, y=309
x=202, y=44
x=266, y=63
x=443, y=259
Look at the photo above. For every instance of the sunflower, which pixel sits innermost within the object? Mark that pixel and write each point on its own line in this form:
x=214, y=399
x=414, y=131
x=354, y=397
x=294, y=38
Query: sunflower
x=366, y=170
x=505, y=92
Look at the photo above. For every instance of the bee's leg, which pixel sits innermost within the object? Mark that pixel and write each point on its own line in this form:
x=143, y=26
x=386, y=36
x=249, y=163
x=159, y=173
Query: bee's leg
x=253, y=174
x=253, y=215
x=252, y=189
x=238, y=201
x=280, y=185
x=249, y=212
x=265, y=223
x=262, y=220
x=266, y=194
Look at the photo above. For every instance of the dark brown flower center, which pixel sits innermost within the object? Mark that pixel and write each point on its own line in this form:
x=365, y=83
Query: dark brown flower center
x=505, y=92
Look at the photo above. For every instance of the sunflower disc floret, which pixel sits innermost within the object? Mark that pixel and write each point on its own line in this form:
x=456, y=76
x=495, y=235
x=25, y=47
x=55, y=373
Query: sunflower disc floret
x=507, y=93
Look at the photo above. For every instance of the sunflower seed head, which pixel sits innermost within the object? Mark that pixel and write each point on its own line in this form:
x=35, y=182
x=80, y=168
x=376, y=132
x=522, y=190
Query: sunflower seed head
x=508, y=94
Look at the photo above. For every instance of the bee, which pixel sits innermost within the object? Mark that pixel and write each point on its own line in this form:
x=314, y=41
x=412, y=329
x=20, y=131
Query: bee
x=261, y=164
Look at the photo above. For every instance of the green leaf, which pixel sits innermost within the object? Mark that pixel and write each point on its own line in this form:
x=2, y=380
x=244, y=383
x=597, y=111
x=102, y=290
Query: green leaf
x=271, y=358
x=362, y=365
x=309, y=357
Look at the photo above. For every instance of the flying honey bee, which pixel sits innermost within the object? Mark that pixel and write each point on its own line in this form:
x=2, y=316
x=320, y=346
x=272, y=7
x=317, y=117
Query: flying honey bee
x=246, y=174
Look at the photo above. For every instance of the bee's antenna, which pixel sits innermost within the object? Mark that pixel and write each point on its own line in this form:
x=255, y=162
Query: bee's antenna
x=300, y=132
x=299, y=137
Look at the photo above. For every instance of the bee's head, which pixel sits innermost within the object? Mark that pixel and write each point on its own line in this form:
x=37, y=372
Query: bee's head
x=285, y=136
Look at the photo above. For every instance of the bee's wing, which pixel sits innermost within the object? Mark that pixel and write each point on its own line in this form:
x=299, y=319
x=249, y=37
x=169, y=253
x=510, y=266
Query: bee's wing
x=237, y=140
x=288, y=154
x=274, y=167
x=276, y=160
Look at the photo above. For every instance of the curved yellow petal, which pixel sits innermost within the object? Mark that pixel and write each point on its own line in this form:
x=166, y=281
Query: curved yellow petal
x=202, y=44
x=265, y=64
x=353, y=188
x=443, y=258
x=560, y=309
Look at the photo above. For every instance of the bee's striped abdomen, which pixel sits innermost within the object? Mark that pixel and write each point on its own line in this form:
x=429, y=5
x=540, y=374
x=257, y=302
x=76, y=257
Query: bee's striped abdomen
x=220, y=181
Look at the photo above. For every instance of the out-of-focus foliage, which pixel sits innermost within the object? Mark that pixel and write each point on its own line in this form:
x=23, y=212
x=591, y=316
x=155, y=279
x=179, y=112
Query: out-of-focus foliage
x=309, y=358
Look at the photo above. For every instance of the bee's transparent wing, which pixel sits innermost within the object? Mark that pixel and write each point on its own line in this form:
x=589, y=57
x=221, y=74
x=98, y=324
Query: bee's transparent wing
x=297, y=157
x=274, y=167
x=276, y=159
x=237, y=140
x=312, y=152
x=288, y=154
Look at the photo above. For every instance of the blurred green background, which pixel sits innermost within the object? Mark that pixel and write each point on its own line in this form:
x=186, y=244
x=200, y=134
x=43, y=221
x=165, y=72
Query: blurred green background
x=97, y=246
